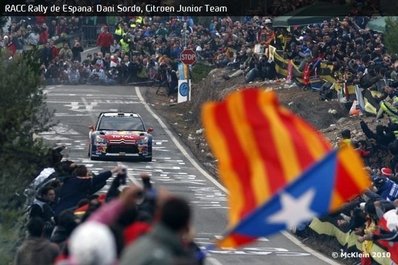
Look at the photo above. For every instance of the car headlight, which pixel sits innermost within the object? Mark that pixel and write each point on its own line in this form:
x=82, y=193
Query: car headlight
x=143, y=140
x=100, y=140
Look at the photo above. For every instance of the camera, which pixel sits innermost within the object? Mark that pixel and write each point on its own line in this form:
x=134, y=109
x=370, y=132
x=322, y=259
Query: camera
x=122, y=176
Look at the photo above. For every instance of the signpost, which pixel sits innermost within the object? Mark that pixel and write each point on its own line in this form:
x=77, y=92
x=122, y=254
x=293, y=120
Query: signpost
x=187, y=57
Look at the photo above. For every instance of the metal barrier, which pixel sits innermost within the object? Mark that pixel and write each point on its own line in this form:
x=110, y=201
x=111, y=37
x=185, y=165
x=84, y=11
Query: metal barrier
x=89, y=35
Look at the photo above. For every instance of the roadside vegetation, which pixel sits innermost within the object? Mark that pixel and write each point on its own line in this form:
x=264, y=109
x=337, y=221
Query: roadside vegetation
x=391, y=35
x=23, y=115
x=200, y=72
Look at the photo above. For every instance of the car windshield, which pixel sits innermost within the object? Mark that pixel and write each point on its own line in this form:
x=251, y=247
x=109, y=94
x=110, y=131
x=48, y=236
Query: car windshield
x=122, y=123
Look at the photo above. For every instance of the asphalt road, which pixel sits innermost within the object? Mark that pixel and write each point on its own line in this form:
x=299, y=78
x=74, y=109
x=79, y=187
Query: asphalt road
x=77, y=107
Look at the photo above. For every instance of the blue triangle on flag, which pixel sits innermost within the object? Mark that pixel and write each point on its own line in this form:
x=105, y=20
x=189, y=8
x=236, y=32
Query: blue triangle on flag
x=306, y=197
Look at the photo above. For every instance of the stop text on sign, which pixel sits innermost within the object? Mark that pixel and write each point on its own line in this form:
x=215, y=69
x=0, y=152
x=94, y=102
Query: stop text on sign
x=188, y=56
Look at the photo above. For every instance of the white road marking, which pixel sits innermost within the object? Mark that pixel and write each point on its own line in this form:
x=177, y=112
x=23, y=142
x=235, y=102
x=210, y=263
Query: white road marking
x=217, y=184
x=93, y=119
x=213, y=261
x=60, y=114
x=68, y=103
x=177, y=143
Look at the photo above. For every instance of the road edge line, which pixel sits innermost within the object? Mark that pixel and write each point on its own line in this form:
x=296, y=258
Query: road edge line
x=177, y=143
x=313, y=252
x=214, y=181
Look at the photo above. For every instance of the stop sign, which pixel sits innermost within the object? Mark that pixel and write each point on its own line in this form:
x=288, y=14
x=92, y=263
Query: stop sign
x=188, y=56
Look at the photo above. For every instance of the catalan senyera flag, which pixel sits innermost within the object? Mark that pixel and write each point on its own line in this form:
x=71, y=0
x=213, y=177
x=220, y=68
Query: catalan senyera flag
x=262, y=148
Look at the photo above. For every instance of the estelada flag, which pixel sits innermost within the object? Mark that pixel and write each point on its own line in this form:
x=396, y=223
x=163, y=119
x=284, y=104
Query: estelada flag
x=262, y=147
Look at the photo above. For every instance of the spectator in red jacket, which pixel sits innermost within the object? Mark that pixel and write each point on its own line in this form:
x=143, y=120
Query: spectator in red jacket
x=105, y=40
x=43, y=36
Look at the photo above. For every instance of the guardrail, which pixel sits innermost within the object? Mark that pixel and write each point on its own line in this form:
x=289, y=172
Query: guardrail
x=89, y=35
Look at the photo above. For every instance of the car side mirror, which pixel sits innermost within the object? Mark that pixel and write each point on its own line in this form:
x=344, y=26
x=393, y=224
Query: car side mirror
x=149, y=130
x=91, y=127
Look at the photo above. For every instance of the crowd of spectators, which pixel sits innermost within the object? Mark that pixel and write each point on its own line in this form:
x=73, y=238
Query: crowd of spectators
x=69, y=223
x=148, y=48
x=133, y=49
x=359, y=57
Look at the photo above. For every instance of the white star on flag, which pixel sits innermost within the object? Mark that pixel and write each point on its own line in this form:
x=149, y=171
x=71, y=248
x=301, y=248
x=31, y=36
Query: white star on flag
x=294, y=211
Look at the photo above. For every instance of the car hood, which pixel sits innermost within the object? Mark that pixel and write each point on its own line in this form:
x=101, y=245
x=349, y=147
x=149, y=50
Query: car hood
x=119, y=135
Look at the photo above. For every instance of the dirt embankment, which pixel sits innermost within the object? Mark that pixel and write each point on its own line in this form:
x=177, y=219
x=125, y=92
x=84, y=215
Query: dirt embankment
x=328, y=116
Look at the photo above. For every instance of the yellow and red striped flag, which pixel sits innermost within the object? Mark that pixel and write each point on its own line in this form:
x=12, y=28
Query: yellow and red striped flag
x=261, y=148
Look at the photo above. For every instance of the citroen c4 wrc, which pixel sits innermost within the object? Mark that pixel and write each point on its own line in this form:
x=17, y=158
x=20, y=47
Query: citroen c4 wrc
x=120, y=134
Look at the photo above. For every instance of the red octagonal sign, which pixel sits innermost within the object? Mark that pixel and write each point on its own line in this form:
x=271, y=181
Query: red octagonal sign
x=188, y=56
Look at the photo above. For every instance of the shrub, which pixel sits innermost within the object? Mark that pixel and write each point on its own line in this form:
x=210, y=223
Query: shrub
x=23, y=115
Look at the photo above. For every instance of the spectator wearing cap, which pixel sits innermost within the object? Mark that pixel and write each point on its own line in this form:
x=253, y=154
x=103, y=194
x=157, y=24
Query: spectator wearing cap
x=386, y=172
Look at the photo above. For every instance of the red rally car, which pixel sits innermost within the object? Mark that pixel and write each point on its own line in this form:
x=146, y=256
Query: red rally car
x=120, y=134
